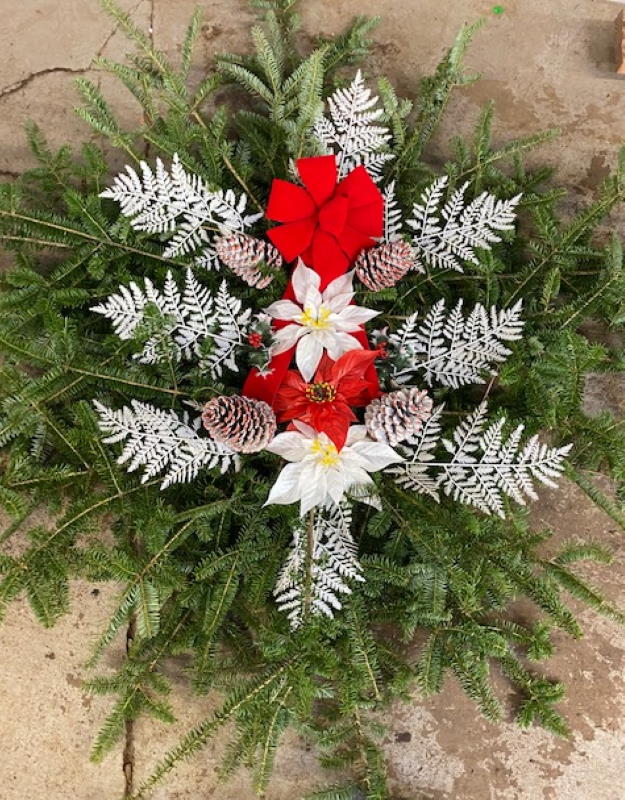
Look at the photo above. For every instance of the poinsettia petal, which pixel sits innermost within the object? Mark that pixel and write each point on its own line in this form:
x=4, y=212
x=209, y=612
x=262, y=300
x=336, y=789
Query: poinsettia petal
x=284, y=309
x=339, y=293
x=351, y=317
x=353, y=364
x=336, y=486
x=286, y=489
x=314, y=487
x=358, y=477
x=357, y=433
x=358, y=391
x=308, y=355
x=341, y=343
x=286, y=338
x=336, y=424
x=375, y=455
x=325, y=370
x=341, y=285
x=302, y=279
x=306, y=430
x=291, y=445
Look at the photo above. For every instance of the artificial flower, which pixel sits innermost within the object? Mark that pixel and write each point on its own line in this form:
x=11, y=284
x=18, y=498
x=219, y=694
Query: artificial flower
x=326, y=403
x=318, y=321
x=319, y=473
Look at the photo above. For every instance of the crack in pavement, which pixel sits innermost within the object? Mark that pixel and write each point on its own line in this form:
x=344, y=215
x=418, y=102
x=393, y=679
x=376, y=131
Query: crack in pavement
x=21, y=84
x=113, y=31
x=128, y=754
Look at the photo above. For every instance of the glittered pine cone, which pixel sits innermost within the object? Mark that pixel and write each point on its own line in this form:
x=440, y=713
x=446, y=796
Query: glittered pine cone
x=397, y=416
x=244, y=424
x=382, y=266
x=243, y=254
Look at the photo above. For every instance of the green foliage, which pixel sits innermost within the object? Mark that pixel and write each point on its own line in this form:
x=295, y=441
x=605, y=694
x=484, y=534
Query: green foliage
x=197, y=564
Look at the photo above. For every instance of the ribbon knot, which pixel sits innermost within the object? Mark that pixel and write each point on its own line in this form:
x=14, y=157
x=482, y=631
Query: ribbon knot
x=325, y=222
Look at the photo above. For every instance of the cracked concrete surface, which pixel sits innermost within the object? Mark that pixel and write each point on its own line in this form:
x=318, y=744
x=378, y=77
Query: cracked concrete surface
x=544, y=65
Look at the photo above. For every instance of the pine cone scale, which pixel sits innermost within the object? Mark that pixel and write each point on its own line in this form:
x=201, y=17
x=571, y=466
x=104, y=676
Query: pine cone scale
x=244, y=254
x=384, y=265
x=244, y=424
x=397, y=416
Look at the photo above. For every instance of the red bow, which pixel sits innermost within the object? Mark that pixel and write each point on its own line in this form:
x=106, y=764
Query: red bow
x=325, y=223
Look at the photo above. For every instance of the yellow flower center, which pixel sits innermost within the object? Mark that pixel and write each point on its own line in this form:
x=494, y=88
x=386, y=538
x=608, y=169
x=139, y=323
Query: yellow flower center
x=328, y=455
x=320, y=321
x=320, y=392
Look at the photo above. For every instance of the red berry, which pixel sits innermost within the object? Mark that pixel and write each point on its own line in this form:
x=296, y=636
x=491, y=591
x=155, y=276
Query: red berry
x=255, y=340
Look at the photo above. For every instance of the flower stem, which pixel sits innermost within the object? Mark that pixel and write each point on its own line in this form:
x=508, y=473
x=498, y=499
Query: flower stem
x=310, y=547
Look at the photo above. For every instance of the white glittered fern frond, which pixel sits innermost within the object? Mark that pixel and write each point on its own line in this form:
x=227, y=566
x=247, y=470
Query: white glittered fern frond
x=392, y=215
x=483, y=467
x=232, y=324
x=186, y=321
x=448, y=234
x=159, y=441
x=177, y=202
x=455, y=350
x=352, y=131
x=414, y=473
x=198, y=318
x=333, y=563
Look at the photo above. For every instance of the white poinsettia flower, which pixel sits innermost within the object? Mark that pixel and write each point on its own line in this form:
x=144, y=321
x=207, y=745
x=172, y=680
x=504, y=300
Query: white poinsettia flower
x=319, y=320
x=319, y=474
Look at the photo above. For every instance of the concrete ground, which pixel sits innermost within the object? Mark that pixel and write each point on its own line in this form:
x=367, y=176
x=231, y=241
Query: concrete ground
x=545, y=64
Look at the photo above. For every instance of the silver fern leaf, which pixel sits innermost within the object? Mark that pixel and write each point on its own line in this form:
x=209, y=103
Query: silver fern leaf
x=484, y=467
x=160, y=442
x=392, y=215
x=352, y=132
x=188, y=319
x=453, y=350
x=177, y=202
x=128, y=308
x=446, y=234
x=415, y=471
x=197, y=316
x=334, y=562
x=232, y=324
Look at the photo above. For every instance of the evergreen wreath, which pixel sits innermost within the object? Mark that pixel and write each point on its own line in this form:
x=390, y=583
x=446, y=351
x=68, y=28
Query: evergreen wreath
x=172, y=337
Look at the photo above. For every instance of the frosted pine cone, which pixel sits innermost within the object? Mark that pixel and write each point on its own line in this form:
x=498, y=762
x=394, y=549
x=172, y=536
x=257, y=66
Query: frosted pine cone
x=244, y=424
x=243, y=254
x=397, y=416
x=384, y=265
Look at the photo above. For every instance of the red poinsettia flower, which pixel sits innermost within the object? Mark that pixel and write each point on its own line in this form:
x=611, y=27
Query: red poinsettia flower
x=326, y=223
x=326, y=403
